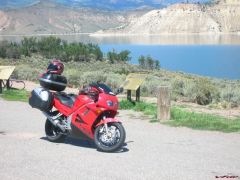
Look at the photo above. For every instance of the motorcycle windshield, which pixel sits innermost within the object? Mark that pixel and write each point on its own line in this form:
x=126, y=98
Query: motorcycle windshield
x=105, y=88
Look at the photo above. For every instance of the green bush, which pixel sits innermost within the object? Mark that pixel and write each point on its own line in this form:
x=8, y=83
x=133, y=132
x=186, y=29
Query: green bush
x=125, y=104
x=115, y=80
x=231, y=94
x=205, y=91
x=24, y=72
x=177, y=86
x=13, y=53
x=151, y=84
x=3, y=53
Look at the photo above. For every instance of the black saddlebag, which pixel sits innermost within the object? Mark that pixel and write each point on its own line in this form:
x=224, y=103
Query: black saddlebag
x=53, y=82
x=41, y=99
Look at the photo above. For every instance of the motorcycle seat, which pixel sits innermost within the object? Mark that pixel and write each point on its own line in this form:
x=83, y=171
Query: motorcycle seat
x=66, y=99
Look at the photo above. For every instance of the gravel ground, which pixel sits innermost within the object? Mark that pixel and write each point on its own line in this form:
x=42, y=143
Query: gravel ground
x=152, y=151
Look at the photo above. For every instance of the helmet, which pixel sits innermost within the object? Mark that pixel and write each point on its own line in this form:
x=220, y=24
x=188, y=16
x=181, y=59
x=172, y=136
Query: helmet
x=55, y=67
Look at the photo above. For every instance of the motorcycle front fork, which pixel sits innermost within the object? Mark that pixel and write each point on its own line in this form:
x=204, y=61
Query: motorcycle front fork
x=105, y=124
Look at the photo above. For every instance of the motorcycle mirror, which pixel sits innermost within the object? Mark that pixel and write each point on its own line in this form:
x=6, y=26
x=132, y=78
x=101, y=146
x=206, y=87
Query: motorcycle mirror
x=119, y=90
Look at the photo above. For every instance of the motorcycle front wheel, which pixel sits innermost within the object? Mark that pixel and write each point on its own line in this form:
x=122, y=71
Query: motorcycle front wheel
x=109, y=140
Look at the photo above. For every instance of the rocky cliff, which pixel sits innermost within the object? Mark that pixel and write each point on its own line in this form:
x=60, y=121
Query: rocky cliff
x=184, y=18
x=50, y=18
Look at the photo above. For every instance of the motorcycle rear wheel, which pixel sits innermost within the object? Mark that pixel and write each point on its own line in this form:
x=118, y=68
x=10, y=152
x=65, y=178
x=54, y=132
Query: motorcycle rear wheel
x=109, y=142
x=53, y=133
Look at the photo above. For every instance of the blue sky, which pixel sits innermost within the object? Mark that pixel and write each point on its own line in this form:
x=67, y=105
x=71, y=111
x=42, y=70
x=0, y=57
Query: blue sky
x=109, y=4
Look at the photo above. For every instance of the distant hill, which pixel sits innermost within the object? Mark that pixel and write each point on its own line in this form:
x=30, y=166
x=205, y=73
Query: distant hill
x=184, y=18
x=51, y=18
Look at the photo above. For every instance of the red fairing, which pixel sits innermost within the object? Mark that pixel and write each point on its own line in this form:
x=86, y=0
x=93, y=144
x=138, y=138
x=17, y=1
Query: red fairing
x=80, y=101
x=108, y=120
x=105, y=98
x=87, y=112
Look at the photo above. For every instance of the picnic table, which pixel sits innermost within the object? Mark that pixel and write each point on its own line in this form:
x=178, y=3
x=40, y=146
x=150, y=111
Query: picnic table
x=5, y=73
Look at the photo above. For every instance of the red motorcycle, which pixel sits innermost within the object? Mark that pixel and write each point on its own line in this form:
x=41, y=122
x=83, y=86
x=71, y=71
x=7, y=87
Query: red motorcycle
x=91, y=113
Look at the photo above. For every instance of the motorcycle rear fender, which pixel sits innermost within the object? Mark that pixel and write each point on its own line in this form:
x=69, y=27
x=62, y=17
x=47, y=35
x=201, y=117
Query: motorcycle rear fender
x=107, y=120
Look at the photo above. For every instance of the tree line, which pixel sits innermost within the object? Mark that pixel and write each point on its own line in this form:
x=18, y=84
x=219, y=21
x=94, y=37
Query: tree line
x=54, y=47
x=51, y=47
x=147, y=62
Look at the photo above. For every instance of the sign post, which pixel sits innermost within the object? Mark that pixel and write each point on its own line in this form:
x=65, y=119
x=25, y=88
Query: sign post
x=133, y=83
x=1, y=90
x=163, y=104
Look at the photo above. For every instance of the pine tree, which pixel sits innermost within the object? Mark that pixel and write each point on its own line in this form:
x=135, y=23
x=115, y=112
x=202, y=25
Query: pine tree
x=142, y=61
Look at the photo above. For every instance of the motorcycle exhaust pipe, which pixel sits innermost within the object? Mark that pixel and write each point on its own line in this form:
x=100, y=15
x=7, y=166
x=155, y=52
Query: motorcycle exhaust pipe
x=55, y=122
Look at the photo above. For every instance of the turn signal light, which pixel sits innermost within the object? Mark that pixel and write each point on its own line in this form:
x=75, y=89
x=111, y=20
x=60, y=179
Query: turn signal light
x=98, y=111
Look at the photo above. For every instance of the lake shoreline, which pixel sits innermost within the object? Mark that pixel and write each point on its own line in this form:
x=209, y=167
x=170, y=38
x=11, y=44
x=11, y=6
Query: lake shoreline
x=163, y=39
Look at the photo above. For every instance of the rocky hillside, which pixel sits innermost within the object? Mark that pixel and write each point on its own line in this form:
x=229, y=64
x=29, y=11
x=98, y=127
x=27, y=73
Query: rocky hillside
x=51, y=18
x=184, y=18
x=4, y=22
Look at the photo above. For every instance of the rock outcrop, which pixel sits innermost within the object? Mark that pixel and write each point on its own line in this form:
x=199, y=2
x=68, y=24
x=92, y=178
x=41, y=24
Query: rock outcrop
x=184, y=19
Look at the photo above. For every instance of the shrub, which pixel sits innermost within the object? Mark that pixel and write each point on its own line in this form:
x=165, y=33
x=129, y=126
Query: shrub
x=205, y=91
x=189, y=90
x=13, y=53
x=90, y=77
x=125, y=104
x=25, y=72
x=177, y=88
x=231, y=94
x=151, y=84
x=115, y=80
x=3, y=53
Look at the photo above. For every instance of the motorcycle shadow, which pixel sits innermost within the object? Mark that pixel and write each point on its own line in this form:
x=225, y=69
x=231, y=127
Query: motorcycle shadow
x=85, y=143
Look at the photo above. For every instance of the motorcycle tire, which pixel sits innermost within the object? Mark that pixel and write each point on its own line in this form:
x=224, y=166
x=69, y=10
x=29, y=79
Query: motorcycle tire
x=53, y=133
x=105, y=148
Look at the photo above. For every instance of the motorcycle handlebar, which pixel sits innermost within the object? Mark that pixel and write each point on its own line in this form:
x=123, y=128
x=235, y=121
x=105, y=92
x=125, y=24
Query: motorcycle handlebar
x=119, y=90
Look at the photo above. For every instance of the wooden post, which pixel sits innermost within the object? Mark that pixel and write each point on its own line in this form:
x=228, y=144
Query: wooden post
x=8, y=84
x=1, y=89
x=129, y=96
x=164, y=104
x=138, y=95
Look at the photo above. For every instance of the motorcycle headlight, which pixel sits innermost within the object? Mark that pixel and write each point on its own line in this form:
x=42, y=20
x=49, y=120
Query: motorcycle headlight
x=110, y=103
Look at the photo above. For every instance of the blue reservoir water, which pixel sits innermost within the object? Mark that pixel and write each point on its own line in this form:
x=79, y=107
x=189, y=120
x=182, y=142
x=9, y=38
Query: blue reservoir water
x=220, y=61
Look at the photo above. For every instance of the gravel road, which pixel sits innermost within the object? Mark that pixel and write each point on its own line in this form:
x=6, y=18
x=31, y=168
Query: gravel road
x=152, y=151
